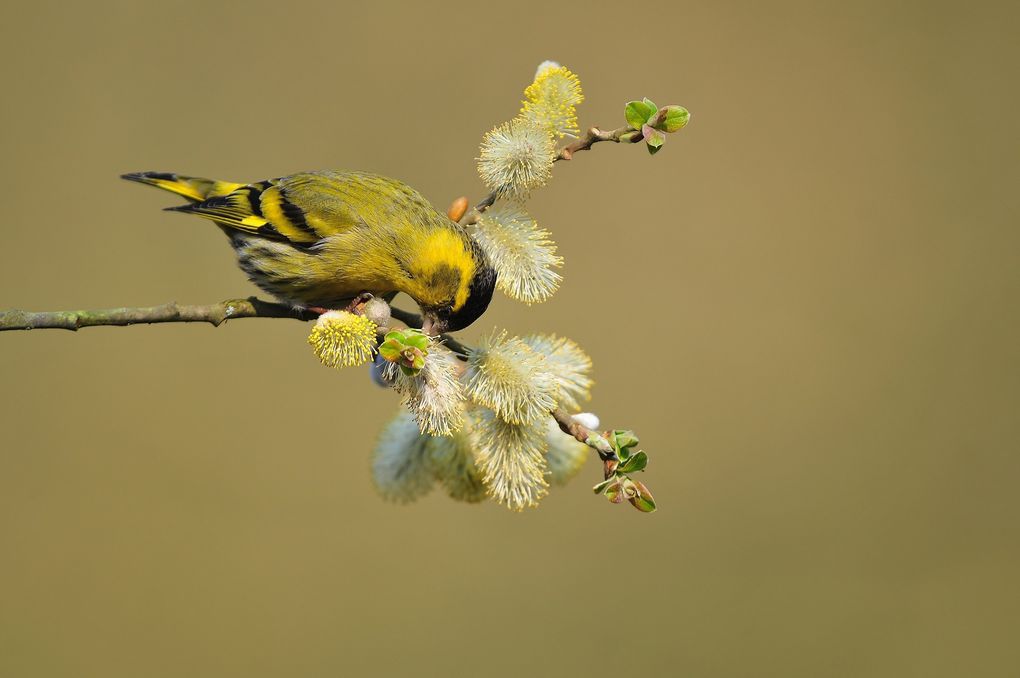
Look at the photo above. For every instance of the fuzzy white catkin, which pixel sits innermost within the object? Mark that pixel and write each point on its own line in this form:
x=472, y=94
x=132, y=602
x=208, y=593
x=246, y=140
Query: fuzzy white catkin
x=511, y=458
x=569, y=365
x=400, y=466
x=435, y=395
x=508, y=377
x=523, y=254
x=452, y=460
x=516, y=158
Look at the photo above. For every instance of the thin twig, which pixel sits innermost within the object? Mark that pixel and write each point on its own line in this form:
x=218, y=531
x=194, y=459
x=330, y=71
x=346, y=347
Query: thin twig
x=214, y=314
x=592, y=439
x=593, y=136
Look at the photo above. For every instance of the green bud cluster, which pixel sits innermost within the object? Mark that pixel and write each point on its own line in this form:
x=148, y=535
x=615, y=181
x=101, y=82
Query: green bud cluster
x=652, y=123
x=618, y=484
x=407, y=348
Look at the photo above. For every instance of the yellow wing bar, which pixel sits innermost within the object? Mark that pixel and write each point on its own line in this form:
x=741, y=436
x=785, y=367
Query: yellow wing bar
x=259, y=209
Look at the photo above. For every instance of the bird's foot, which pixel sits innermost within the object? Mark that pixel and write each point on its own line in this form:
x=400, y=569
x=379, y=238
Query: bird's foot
x=360, y=301
x=355, y=305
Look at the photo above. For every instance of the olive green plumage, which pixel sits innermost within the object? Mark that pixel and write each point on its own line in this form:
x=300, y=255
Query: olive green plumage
x=320, y=239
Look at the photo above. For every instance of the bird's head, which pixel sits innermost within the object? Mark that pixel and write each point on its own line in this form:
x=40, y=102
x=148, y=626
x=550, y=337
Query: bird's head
x=462, y=310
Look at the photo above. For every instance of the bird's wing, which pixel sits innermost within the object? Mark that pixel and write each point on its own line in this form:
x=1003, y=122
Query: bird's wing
x=301, y=209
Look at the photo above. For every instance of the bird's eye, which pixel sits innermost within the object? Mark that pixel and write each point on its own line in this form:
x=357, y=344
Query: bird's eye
x=445, y=312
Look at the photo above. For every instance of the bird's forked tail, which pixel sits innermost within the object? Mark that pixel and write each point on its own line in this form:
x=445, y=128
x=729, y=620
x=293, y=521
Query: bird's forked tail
x=195, y=189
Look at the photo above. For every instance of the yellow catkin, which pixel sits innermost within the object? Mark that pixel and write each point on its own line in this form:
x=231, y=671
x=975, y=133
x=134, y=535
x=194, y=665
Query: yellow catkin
x=343, y=339
x=551, y=100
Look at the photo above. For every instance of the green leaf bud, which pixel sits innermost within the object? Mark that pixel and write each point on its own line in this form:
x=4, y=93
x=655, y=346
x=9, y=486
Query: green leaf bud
x=635, y=463
x=638, y=113
x=640, y=498
x=671, y=118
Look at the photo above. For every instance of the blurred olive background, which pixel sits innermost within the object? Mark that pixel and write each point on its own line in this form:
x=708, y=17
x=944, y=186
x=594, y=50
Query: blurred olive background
x=827, y=257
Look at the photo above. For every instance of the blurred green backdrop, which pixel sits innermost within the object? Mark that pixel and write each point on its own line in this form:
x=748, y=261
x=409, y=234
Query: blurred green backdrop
x=831, y=246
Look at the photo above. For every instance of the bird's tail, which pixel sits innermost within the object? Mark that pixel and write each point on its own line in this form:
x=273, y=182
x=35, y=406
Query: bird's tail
x=194, y=189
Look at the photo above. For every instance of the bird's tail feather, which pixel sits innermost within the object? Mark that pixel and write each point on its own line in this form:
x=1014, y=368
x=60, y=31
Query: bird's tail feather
x=194, y=189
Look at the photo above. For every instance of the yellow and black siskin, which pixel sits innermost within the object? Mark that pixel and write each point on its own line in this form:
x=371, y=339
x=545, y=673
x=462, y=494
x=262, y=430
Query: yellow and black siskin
x=321, y=239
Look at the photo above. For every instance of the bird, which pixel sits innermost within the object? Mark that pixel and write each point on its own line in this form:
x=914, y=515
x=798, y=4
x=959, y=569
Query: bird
x=321, y=240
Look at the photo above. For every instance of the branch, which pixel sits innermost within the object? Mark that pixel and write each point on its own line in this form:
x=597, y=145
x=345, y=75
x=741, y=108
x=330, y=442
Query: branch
x=593, y=136
x=592, y=439
x=214, y=314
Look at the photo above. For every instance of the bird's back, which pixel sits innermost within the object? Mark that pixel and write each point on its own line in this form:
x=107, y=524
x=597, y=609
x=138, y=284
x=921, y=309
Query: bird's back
x=320, y=238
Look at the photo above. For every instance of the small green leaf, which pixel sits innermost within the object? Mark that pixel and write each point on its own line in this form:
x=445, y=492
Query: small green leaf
x=653, y=137
x=643, y=504
x=676, y=118
x=642, y=499
x=638, y=113
x=604, y=447
x=407, y=348
x=623, y=439
x=636, y=463
x=417, y=339
x=604, y=485
x=651, y=104
x=615, y=492
x=390, y=350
